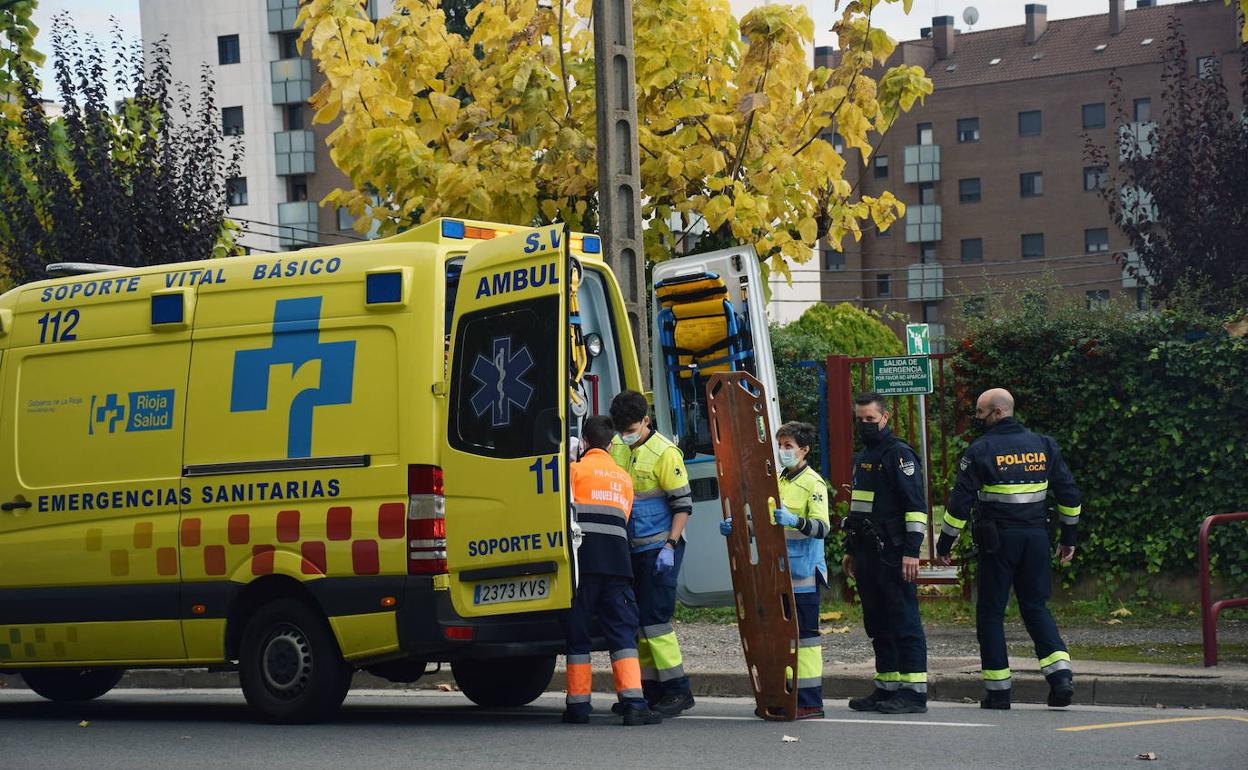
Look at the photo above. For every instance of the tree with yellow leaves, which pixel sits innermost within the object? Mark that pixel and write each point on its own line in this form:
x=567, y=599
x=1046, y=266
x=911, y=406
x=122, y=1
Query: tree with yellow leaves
x=500, y=124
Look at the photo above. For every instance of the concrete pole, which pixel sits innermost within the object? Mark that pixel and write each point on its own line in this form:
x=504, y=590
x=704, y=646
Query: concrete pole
x=619, y=170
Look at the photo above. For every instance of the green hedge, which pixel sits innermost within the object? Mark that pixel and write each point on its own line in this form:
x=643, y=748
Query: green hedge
x=1151, y=413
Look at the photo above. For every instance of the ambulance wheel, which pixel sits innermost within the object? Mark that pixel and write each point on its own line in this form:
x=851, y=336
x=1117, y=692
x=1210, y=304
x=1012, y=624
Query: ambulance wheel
x=504, y=682
x=289, y=664
x=72, y=684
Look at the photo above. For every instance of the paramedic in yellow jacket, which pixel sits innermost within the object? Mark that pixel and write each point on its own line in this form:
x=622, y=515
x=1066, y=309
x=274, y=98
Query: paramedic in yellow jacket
x=804, y=514
x=661, y=507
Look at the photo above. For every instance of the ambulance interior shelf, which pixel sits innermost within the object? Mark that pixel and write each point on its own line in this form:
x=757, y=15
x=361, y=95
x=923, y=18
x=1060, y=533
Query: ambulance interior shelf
x=701, y=332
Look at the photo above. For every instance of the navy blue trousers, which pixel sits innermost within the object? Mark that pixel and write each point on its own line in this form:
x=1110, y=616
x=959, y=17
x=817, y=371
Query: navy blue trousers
x=890, y=613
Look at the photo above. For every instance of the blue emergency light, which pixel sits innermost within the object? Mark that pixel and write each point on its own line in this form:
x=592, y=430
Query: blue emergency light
x=452, y=228
x=592, y=245
x=167, y=309
x=381, y=288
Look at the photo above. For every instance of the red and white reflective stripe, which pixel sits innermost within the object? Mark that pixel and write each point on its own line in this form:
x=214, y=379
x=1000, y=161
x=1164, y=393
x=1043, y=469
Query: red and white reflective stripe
x=426, y=521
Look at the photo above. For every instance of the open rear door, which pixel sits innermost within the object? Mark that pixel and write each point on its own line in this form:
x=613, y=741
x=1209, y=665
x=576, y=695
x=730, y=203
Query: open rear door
x=709, y=317
x=505, y=459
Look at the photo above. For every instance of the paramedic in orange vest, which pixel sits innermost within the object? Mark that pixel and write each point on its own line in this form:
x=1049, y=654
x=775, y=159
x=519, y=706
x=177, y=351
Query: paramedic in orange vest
x=602, y=494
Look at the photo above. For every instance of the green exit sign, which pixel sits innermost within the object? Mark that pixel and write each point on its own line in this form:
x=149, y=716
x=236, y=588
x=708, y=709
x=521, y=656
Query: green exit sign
x=918, y=342
x=902, y=376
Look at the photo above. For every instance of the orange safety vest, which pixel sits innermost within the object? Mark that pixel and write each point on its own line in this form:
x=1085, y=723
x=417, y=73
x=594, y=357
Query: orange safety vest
x=602, y=495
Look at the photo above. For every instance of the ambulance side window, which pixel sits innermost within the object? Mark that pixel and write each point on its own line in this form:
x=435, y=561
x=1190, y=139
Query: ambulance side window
x=506, y=381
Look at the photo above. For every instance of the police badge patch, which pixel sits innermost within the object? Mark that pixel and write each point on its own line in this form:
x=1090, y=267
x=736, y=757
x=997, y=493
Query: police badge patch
x=964, y=463
x=907, y=466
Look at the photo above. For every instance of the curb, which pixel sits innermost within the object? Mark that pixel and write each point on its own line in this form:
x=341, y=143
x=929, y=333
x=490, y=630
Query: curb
x=1090, y=689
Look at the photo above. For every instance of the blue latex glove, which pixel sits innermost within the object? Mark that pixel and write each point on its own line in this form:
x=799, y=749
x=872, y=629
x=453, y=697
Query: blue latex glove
x=725, y=527
x=785, y=518
x=665, y=560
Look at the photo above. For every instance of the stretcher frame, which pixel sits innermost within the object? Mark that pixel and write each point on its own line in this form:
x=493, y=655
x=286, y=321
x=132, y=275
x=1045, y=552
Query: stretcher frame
x=757, y=550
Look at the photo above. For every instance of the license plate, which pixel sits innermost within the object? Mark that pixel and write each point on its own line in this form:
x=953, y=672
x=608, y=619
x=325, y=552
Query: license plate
x=518, y=590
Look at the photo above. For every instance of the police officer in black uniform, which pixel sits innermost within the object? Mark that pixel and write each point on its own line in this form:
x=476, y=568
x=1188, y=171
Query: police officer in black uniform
x=885, y=528
x=1004, y=480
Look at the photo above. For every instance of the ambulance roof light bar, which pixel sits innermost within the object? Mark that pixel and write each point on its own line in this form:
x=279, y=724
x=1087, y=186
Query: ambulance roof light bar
x=62, y=269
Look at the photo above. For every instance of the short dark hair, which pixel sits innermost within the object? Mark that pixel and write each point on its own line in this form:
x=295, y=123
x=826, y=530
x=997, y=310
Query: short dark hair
x=598, y=431
x=627, y=408
x=802, y=433
x=871, y=397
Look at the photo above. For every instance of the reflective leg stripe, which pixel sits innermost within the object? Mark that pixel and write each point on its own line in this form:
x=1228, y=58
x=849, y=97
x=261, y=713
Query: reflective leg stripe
x=1058, y=661
x=579, y=682
x=889, y=680
x=809, y=662
x=996, y=679
x=575, y=658
x=668, y=663
x=622, y=654
x=627, y=675
x=916, y=681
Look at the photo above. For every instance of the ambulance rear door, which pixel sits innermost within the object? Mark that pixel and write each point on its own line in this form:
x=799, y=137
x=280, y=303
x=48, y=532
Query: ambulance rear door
x=727, y=289
x=505, y=458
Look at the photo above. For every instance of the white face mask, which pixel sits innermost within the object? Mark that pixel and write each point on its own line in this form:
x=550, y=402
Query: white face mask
x=788, y=458
x=630, y=438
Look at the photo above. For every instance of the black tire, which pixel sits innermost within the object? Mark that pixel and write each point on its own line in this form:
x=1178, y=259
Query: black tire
x=403, y=671
x=504, y=682
x=290, y=666
x=70, y=685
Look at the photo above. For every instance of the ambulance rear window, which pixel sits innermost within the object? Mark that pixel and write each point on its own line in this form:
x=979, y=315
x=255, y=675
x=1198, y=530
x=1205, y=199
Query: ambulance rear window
x=506, y=381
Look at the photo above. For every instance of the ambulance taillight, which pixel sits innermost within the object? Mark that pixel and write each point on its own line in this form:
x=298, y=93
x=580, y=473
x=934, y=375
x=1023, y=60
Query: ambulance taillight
x=426, y=521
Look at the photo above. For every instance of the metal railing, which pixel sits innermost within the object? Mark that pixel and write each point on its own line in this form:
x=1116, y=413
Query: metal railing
x=1209, y=609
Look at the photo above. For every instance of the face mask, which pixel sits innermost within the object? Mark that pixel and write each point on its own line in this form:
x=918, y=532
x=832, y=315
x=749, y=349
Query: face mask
x=979, y=424
x=788, y=458
x=868, y=431
x=630, y=438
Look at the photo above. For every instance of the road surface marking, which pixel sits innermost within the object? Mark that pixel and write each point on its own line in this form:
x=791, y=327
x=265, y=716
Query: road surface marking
x=1144, y=722
x=683, y=717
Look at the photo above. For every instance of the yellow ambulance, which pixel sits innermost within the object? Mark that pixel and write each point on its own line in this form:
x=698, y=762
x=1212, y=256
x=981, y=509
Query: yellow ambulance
x=298, y=465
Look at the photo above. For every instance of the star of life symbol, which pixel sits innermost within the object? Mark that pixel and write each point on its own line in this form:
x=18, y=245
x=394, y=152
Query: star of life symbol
x=502, y=384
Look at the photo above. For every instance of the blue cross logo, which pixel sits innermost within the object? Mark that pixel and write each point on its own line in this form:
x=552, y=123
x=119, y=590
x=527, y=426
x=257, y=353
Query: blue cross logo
x=296, y=341
x=111, y=411
x=501, y=381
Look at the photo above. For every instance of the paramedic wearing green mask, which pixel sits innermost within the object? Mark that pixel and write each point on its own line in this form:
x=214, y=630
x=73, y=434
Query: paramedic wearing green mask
x=662, y=503
x=804, y=515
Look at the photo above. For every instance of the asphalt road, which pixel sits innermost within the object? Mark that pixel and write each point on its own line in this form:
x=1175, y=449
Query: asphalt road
x=380, y=729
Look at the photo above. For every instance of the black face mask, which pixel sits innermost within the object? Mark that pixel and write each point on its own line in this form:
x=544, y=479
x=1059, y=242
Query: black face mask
x=869, y=432
x=979, y=424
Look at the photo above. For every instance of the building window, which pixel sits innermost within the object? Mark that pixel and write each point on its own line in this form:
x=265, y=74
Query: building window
x=881, y=166
x=927, y=193
x=1094, y=178
x=968, y=190
x=1033, y=245
x=1094, y=115
x=924, y=131
x=833, y=259
x=972, y=249
x=294, y=117
x=1142, y=110
x=1206, y=67
x=927, y=251
x=297, y=187
x=345, y=220
x=931, y=313
x=884, y=284
x=227, y=49
x=1029, y=123
x=1098, y=299
x=236, y=191
x=968, y=130
x=232, y=121
x=1031, y=184
x=1096, y=240
x=288, y=45
x=973, y=307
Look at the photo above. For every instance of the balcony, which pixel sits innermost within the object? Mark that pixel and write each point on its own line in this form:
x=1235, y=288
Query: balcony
x=1135, y=141
x=923, y=223
x=282, y=15
x=292, y=80
x=922, y=163
x=295, y=152
x=298, y=224
x=925, y=281
x=1138, y=206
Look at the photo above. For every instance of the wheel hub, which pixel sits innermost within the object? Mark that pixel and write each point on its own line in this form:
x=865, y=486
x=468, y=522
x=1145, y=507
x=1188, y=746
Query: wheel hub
x=287, y=662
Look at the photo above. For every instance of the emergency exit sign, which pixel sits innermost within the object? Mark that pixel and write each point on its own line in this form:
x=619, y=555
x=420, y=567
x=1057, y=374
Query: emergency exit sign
x=902, y=376
x=918, y=343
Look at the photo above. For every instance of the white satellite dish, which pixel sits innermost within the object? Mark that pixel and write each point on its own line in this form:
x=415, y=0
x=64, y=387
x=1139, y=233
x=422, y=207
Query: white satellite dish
x=970, y=15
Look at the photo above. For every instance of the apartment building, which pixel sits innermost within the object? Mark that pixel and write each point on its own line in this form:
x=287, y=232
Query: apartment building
x=992, y=167
x=263, y=82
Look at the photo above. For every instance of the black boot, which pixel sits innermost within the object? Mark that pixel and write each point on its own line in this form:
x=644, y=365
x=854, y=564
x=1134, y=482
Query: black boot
x=1061, y=689
x=996, y=699
x=904, y=701
x=639, y=715
x=671, y=705
x=870, y=702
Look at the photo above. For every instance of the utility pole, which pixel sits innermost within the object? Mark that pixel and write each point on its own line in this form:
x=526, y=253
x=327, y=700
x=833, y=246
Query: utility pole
x=619, y=169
